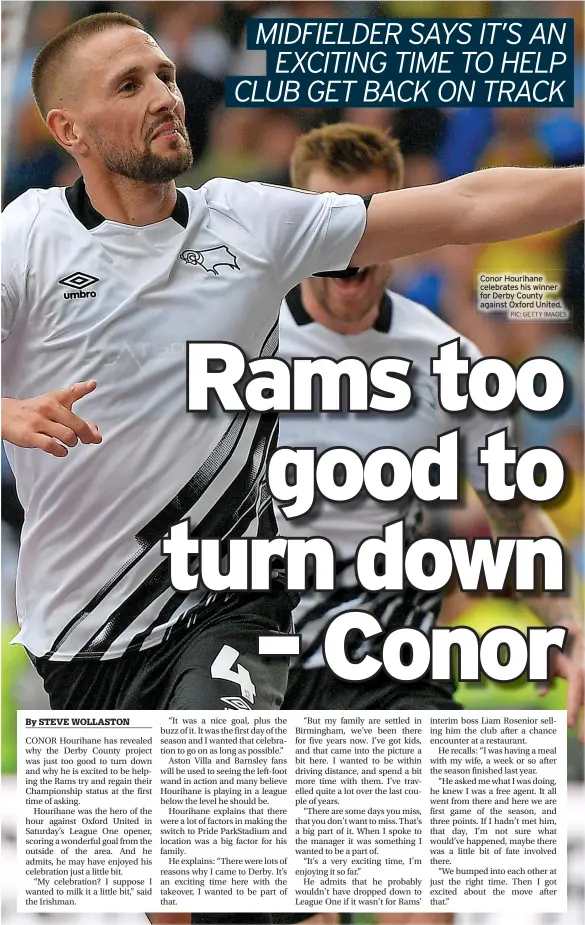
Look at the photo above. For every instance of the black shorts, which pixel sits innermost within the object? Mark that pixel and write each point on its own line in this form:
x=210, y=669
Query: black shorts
x=209, y=664
x=319, y=689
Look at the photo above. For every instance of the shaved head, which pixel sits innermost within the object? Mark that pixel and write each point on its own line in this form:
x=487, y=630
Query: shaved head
x=53, y=76
x=108, y=95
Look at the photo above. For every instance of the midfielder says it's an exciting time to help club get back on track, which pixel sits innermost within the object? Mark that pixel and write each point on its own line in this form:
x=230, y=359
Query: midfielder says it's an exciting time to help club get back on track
x=105, y=456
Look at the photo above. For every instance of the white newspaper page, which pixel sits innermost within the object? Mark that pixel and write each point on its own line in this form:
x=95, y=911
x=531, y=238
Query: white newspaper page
x=148, y=811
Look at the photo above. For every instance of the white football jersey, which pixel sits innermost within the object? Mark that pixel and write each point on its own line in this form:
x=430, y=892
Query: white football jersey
x=410, y=331
x=88, y=298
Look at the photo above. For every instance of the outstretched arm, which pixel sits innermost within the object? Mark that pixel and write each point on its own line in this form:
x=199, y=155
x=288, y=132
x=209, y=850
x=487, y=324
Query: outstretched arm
x=524, y=519
x=497, y=204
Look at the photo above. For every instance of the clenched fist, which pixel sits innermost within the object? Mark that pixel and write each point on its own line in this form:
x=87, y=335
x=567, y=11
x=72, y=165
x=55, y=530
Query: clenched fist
x=47, y=422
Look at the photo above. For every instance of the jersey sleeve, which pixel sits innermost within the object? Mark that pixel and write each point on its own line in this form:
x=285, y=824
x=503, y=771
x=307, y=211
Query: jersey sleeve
x=303, y=233
x=477, y=425
x=17, y=221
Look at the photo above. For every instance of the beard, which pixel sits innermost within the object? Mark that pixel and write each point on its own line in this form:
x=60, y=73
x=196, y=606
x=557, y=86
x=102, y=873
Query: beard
x=146, y=166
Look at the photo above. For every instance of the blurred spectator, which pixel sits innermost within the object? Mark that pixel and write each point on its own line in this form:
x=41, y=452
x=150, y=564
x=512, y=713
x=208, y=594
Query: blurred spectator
x=573, y=279
x=460, y=9
x=48, y=19
x=443, y=279
x=34, y=159
x=514, y=140
x=419, y=131
x=567, y=510
x=187, y=34
x=515, y=144
x=420, y=277
x=561, y=130
x=541, y=338
x=248, y=62
x=232, y=148
x=248, y=144
x=466, y=133
x=376, y=118
x=278, y=134
x=252, y=63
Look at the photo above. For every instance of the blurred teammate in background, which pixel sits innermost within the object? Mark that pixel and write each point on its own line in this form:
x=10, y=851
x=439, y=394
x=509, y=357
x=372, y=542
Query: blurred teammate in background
x=103, y=282
x=361, y=317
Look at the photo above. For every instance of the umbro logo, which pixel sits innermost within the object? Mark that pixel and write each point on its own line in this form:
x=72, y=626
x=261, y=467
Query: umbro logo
x=79, y=283
x=211, y=258
x=235, y=703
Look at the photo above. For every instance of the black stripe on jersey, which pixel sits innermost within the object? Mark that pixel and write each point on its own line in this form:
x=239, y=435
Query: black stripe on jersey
x=229, y=518
x=294, y=300
x=147, y=538
x=178, y=507
x=237, y=424
x=384, y=319
x=411, y=608
x=270, y=345
x=213, y=600
x=248, y=510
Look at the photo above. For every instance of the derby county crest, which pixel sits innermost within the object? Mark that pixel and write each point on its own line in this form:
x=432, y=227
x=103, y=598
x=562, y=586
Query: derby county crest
x=211, y=258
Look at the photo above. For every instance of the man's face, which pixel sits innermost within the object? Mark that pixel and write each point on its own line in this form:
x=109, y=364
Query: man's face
x=348, y=301
x=127, y=107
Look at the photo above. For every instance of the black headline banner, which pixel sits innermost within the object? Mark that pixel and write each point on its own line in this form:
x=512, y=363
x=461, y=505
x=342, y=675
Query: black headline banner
x=422, y=63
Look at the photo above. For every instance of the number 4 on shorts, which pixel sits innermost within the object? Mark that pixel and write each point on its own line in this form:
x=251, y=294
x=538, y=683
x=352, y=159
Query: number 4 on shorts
x=223, y=667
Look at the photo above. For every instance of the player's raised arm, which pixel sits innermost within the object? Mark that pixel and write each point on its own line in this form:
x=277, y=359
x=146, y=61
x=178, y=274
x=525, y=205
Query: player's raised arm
x=497, y=204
